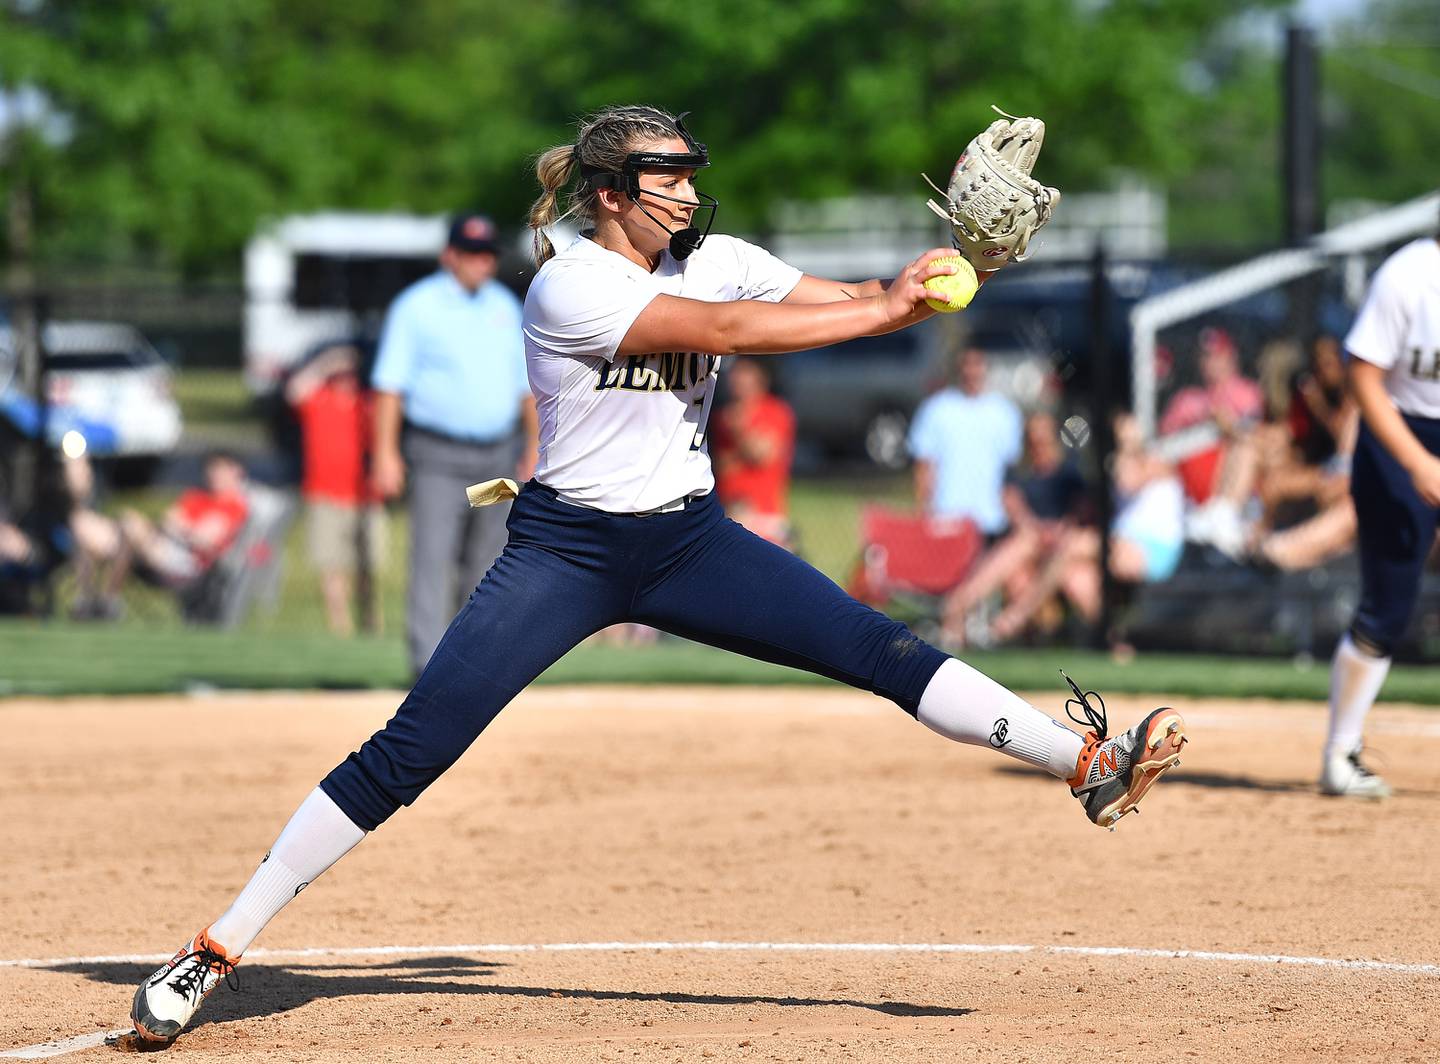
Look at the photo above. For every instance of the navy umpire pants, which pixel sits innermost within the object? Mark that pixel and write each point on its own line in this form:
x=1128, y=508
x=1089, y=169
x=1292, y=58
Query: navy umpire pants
x=568, y=572
x=1396, y=531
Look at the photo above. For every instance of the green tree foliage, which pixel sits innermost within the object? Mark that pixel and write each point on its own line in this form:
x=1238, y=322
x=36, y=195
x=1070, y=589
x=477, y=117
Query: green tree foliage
x=191, y=120
x=1382, y=103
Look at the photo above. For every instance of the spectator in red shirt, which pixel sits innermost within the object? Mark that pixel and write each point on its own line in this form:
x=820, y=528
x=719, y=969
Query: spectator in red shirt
x=345, y=520
x=1225, y=399
x=1219, y=476
x=752, y=448
x=195, y=531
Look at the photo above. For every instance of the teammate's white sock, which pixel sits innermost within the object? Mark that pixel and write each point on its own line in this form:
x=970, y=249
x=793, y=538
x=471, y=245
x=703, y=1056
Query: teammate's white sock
x=1355, y=680
x=969, y=707
x=317, y=836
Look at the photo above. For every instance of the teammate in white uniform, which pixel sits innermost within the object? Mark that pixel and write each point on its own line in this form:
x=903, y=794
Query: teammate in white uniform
x=625, y=332
x=1395, y=480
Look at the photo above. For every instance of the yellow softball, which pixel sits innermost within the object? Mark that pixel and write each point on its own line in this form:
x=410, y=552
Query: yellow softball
x=954, y=290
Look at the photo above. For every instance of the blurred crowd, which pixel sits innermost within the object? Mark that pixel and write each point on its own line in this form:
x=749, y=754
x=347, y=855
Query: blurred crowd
x=1002, y=543
x=1243, y=471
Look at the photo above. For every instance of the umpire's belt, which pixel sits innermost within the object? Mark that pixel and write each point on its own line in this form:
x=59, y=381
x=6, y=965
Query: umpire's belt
x=462, y=441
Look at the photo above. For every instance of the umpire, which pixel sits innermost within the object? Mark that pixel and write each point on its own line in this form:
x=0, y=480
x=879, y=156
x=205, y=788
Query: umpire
x=452, y=406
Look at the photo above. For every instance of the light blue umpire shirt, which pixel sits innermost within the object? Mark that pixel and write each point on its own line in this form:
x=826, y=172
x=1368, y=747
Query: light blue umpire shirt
x=456, y=359
x=969, y=441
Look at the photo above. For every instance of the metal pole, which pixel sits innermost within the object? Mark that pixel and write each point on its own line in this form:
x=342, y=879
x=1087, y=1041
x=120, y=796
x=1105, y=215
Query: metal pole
x=1301, y=170
x=1102, y=404
x=25, y=334
x=1301, y=193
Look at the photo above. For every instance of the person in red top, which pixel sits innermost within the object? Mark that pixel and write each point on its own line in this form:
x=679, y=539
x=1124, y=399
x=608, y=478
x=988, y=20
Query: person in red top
x=1225, y=399
x=752, y=447
x=1219, y=476
x=345, y=520
x=195, y=531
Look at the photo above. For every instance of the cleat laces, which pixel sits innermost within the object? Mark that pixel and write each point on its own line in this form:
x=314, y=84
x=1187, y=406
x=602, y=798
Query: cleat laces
x=1361, y=769
x=190, y=982
x=1084, y=713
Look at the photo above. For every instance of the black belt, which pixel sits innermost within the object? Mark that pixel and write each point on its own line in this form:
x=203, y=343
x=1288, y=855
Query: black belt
x=464, y=441
x=683, y=503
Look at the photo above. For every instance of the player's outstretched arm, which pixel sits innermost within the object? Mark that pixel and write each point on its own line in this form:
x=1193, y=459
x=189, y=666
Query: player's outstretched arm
x=671, y=323
x=812, y=289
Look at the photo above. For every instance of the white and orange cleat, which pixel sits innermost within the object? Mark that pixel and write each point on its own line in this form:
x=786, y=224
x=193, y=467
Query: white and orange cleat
x=167, y=1000
x=1113, y=774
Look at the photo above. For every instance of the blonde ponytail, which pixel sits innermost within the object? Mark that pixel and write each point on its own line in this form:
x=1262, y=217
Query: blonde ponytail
x=553, y=169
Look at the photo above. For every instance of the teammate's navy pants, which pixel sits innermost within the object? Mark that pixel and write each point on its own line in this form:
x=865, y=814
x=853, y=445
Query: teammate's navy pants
x=1396, y=531
x=568, y=572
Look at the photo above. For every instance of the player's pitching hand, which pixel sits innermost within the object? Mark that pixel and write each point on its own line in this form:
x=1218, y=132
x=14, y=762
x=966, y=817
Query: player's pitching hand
x=904, y=300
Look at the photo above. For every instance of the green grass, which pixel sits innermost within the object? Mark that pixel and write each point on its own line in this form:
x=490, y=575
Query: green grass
x=826, y=517
x=825, y=513
x=66, y=659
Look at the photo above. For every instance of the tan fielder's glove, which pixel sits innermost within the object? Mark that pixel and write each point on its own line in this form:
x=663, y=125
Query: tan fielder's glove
x=993, y=205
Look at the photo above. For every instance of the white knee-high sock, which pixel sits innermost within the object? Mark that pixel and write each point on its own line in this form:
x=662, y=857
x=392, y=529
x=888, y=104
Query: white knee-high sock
x=1355, y=680
x=969, y=707
x=317, y=836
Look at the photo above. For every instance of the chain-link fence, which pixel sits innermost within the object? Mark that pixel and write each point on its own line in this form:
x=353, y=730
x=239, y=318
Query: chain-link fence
x=1240, y=378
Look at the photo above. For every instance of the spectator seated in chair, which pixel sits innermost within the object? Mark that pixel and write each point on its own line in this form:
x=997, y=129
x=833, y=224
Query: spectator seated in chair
x=1306, y=474
x=35, y=545
x=1222, y=411
x=175, y=553
x=1045, y=499
x=1146, y=539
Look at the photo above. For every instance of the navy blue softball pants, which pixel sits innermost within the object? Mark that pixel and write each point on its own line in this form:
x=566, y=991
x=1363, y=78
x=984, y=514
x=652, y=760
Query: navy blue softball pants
x=1396, y=531
x=568, y=572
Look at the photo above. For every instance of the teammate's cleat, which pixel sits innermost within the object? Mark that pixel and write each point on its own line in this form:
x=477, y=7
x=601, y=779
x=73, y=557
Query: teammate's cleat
x=167, y=1000
x=1345, y=775
x=1113, y=774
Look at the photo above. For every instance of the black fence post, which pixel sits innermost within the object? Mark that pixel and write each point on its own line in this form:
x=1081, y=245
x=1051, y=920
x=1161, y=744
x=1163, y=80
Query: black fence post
x=1102, y=402
x=1300, y=191
x=26, y=332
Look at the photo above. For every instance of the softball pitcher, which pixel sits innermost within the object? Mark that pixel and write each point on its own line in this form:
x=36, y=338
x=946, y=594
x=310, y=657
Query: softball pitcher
x=624, y=333
x=1395, y=480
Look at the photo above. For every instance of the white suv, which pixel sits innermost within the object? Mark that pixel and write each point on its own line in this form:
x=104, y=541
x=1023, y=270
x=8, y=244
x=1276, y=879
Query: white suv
x=103, y=380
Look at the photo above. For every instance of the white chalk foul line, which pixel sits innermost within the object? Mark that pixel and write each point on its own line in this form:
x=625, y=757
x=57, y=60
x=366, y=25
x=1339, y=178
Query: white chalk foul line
x=61, y=1047
x=761, y=947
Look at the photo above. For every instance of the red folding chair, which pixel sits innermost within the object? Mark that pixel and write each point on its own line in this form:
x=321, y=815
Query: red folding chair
x=913, y=553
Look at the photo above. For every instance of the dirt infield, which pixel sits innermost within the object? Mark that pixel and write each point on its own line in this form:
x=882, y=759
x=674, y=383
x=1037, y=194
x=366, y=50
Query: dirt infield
x=603, y=819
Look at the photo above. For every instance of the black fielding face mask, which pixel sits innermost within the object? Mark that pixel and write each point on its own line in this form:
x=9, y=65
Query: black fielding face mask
x=684, y=241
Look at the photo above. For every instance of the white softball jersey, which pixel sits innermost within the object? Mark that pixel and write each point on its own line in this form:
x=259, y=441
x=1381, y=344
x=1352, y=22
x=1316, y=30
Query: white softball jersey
x=1399, y=327
x=627, y=434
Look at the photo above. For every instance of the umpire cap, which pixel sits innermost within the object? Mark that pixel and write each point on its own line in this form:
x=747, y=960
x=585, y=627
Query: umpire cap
x=472, y=233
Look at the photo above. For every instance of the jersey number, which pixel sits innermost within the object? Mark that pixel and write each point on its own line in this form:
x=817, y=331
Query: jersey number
x=704, y=405
x=1419, y=370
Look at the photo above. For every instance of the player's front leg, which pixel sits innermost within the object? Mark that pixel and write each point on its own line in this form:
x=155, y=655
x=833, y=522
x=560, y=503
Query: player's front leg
x=1108, y=774
x=1113, y=773
x=766, y=603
